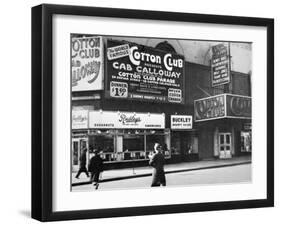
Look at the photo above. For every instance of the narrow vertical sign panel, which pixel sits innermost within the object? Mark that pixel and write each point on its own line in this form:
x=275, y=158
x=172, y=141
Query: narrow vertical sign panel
x=220, y=65
x=87, y=63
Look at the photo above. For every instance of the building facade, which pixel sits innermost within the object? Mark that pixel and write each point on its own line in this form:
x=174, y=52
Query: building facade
x=128, y=93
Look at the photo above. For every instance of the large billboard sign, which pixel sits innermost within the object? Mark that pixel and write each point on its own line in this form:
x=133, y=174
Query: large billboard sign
x=87, y=63
x=125, y=120
x=139, y=72
x=220, y=65
x=223, y=106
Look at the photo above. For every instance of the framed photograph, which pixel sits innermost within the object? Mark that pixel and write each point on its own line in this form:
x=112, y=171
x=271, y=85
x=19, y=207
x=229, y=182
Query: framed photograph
x=147, y=112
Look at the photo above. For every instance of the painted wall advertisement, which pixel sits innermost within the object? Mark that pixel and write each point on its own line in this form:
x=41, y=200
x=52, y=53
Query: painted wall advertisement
x=125, y=120
x=143, y=73
x=223, y=106
x=220, y=65
x=87, y=63
x=181, y=122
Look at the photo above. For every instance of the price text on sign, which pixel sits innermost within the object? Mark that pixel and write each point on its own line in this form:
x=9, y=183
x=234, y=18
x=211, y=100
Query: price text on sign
x=118, y=89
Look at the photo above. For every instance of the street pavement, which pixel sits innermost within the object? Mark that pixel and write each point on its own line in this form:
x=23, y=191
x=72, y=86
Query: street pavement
x=223, y=175
x=129, y=173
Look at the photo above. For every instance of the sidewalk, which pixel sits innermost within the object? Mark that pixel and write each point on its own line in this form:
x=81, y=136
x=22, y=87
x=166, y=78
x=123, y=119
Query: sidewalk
x=120, y=174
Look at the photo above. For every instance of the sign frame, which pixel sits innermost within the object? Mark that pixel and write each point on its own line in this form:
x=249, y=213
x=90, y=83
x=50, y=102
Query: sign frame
x=228, y=69
x=115, y=120
x=225, y=108
x=99, y=79
x=173, y=127
x=106, y=79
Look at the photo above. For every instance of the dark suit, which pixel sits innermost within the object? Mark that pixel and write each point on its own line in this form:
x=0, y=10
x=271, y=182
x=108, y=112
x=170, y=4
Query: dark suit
x=95, y=167
x=158, y=175
x=82, y=168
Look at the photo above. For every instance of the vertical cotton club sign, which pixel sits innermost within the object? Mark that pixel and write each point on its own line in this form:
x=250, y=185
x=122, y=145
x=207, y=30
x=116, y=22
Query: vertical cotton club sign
x=87, y=63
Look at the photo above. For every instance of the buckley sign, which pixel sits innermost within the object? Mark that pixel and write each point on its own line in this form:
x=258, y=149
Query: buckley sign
x=87, y=63
x=223, y=106
x=143, y=73
x=181, y=122
x=125, y=120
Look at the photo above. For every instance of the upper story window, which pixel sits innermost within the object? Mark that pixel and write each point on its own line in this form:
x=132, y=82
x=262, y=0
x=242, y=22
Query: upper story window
x=165, y=46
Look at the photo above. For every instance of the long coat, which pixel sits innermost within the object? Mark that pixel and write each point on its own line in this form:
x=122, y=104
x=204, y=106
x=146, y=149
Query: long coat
x=158, y=175
x=95, y=167
x=96, y=164
x=83, y=160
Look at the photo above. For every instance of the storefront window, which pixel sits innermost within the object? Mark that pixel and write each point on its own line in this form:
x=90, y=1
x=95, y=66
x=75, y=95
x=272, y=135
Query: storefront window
x=175, y=144
x=103, y=141
x=155, y=137
x=122, y=145
x=133, y=146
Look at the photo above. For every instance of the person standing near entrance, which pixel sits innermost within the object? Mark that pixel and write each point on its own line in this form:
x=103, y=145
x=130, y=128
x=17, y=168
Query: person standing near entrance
x=157, y=161
x=83, y=160
x=95, y=168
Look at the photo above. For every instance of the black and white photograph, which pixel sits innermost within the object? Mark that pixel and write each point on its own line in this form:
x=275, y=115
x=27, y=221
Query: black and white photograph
x=152, y=112
x=140, y=112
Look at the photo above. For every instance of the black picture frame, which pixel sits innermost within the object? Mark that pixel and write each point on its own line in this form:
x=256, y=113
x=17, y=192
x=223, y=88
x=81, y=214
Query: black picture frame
x=42, y=107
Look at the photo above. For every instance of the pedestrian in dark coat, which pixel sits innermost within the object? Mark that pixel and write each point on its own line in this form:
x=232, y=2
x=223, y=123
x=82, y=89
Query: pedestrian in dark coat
x=157, y=161
x=82, y=165
x=95, y=168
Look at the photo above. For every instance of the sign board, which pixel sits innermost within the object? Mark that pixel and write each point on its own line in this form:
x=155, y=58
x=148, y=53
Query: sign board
x=220, y=65
x=125, y=120
x=87, y=63
x=239, y=106
x=209, y=108
x=139, y=72
x=80, y=119
x=223, y=106
x=181, y=122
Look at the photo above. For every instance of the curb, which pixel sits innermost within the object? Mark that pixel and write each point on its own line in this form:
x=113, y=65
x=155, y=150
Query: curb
x=166, y=172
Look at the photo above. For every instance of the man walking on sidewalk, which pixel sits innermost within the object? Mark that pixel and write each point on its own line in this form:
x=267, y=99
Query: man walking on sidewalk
x=157, y=161
x=95, y=168
x=82, y=167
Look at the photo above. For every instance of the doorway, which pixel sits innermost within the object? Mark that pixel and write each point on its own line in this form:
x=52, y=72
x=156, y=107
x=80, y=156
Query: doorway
x=225, y=144
x=78, y=144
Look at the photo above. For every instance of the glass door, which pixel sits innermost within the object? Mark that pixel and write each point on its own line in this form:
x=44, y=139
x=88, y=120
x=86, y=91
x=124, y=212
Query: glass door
x=78, y=145
x=246, y=141
x=75, y=154
x=225, y=145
